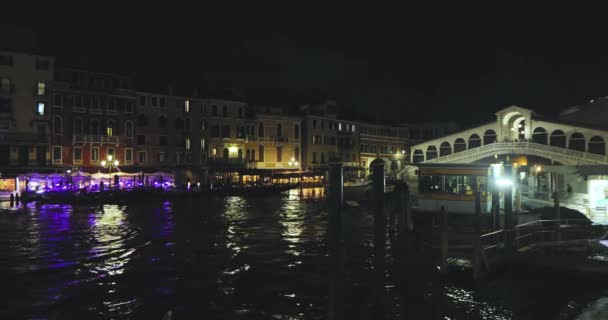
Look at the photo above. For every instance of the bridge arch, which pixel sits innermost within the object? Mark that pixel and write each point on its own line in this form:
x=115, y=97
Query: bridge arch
x=418, y=156
x=474, y=141
x=460, y=145
x=489, y=136
x=597, y=145
x=445, y=149
x=431, y=152
x=539, y=135
x=577, y=142
x=558, y=139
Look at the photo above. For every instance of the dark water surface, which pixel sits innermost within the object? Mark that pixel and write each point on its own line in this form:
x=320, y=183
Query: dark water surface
x=216, y=258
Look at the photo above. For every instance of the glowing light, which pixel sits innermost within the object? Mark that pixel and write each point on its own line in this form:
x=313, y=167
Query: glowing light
x=519, y=126
x=116, y=163
x=539, y=168
x=233, y=149
x=103, y=163
x=504, y=182
x=109, y=157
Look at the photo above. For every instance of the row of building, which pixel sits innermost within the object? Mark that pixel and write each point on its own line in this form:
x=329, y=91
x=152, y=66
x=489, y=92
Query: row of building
x=64, y=119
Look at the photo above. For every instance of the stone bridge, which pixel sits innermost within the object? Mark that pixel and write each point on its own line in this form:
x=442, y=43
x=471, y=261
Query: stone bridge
x=517, y=131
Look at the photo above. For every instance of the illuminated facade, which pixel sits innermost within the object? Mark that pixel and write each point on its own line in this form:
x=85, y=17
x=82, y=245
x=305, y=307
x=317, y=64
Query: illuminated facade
x=277, y=142
x=229, y=127
x=24, y=109
x=320, y=137
x=91, y=118
x=386, y=142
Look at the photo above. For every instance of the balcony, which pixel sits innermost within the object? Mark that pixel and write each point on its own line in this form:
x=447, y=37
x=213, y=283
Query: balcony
x=228, y=163
x=89, y=138
x=23, y=137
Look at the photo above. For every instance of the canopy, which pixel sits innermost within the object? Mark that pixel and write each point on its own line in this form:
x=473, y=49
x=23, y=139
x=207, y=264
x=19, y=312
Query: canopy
x=99, y=175
x=80, y=174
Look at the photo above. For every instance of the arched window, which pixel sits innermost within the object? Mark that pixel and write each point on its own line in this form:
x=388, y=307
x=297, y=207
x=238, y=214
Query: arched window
x=460, y=145
x=142, y=121
x=597, y=145
x=110, y=127
x=418, y=156
x=558, y=139
x=431, y=152
x=128, y=128
x=77, y=125
x=162, y=122
x=248, y=155
x=261, y=154
x=94, y=126
x=279, y=130
x=577, y=142
x=296, y=131
x=225, y=154
x=539, y=135
x=57, y=125
x=261, y=129
x=252, y=154
x=489, y=137
x=474, y=141
x=179, y=123
x=445, y=149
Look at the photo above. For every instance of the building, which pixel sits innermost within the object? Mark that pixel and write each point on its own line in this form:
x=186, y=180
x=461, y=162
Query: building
x=278, y=142
x=230, y=126
x=320, y=137
x=420, y=132
x=92, y=118
x=24, y=110
x=171, y=134
x=389, y=143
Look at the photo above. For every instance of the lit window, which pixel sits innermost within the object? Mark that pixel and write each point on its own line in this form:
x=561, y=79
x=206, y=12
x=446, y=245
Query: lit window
x=142, y=157
x=340, y=126
x=187, y=143
x=214, y=152
x=41, y=88
x=187, y=106
x=94, y=154
x=41, y=108
x=353, y=128
x=57, y=155
x=202, y=144
x=110, y=128
x=77, y=155
x=128, y=156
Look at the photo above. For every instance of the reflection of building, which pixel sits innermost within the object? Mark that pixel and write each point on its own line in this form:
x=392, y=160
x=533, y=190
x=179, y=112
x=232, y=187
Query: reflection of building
x=24, y=109
x=91, y=118
x=386, y=142
x=278, y=140
x=319, y=130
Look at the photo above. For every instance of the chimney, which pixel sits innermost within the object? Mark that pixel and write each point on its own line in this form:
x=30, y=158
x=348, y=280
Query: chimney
x=169, y=90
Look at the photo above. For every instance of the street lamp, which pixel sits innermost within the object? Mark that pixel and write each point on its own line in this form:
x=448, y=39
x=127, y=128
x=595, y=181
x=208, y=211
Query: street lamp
x=293, y=162
x=110, y=164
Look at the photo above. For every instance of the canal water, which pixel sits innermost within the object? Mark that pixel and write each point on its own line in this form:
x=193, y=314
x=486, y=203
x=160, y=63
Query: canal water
x=232, y=258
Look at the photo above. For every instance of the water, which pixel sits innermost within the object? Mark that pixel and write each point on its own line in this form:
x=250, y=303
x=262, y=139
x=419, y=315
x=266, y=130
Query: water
x=220, y=258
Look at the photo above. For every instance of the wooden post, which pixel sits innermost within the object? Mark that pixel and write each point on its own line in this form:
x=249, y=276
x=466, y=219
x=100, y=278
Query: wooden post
x=495, y=210
x=558, y=223
x=477, y=240
x=379, y=182
x=403, y=256
x=508, y=218
x=443, y=263
x=336, y=247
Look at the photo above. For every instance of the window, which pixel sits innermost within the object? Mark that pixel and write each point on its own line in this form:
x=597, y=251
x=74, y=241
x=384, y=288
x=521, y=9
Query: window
x=141, y=140
x=240, y=133
x=6, y=60
x=279, y=130
x=128, y=156
x=41, y=88
x=279, y=154
x=41, y=130
x=128, y=128
x=203, y=125
x=161, y=101
x=77, y=155
x=154, y=101
x=225, y=131
x=94, y=154
x=42, y=64
x=322, y=124
x=41, y=108
x=142, y=157
x=214, y=110
x=203, y=146
x=162, y=122
x=163, y=140
x=110, y=128
x=57, y=125
x=314, y=123
x=261, y=130
x=261, y=152
x=142, y=100
x=187, y=143
x=322, y=157
x=187, y=124
x=129, y=107
x=353, y=128
x=187, y=106
x=58, y=100
x=57, y=155
x=162, y=157
x=94, y=126
x=179, y=123
x=296, y=154
x=214, y=152
x=77, y=125
x=340, y=126
x=6, y=105
x=314, y=157
x=224, y=111
x=111, y=152
x=215, y=131
x=296, y=131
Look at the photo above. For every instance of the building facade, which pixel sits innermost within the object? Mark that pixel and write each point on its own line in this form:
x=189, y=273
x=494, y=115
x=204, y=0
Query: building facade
x=24, y=109
x=278, y=142
x=320, y=137
x=389, y=143
x=91, y=120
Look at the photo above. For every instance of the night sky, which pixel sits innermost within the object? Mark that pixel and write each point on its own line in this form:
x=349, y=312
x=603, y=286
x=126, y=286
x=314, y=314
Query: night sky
x=408, y=67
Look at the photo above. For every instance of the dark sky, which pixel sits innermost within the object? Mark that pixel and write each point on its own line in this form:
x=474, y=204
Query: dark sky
x=413, y=67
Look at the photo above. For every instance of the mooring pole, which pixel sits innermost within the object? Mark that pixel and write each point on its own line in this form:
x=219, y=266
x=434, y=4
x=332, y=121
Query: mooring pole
x=443, y=263
x=508, y=222
x=336, y=246
x=404, y=254
x=379, y=183
x=477, y=240
x=558, y=217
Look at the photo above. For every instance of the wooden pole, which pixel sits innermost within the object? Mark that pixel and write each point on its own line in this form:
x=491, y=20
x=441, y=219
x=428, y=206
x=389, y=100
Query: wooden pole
x=508, y=222
x=336, y=246
x=443, y=263
x=558, y=217
x=477, y=240
x=379, y=182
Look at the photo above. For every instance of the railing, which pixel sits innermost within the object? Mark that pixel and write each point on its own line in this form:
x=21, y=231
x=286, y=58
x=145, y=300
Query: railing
x=23, y=137
x=86, y=138
x=531, y=148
